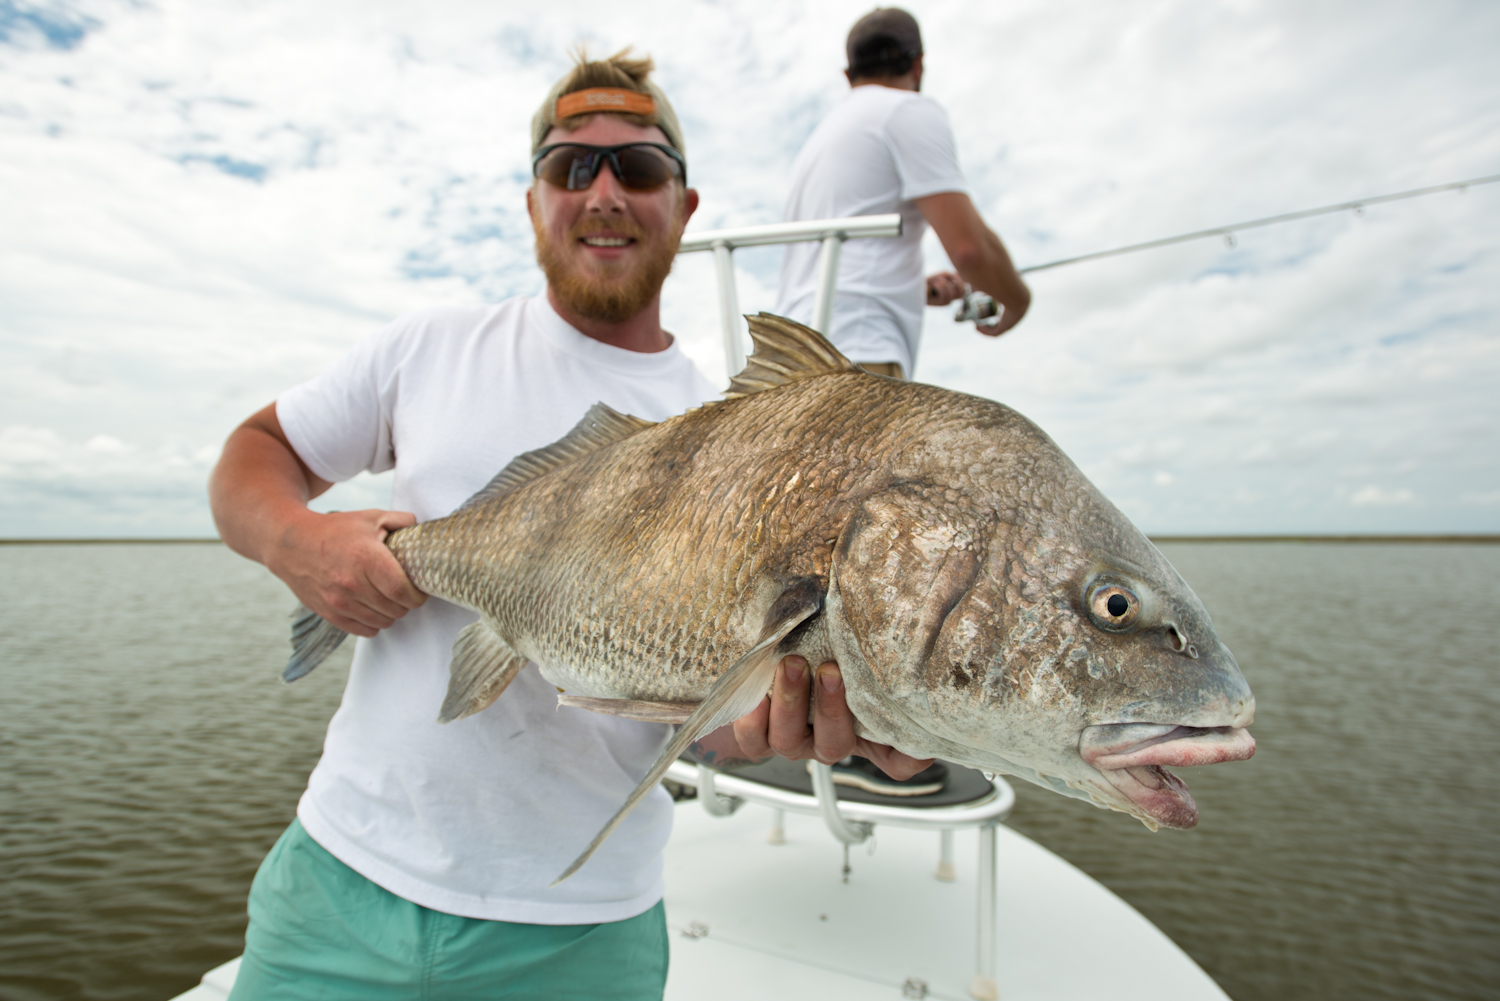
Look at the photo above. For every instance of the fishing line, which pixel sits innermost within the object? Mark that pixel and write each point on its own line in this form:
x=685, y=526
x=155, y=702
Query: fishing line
x=1228, y=231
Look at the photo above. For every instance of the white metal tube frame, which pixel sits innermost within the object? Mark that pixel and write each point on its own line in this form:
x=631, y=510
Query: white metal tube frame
x=828, y=276
x=830, y=232
x=993, y=807
x=714, y=804
x=850, y=832
x=793, y=232
x=985, y=814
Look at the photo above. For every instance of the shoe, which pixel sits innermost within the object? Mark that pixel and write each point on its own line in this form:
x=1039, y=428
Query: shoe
x=862, y=773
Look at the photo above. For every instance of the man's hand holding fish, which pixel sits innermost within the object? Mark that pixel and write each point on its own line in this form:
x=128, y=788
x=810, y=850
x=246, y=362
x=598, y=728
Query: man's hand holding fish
x=805, y=716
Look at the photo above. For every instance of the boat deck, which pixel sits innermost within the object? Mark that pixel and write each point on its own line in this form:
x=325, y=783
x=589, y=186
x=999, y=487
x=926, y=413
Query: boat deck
x=752, y=920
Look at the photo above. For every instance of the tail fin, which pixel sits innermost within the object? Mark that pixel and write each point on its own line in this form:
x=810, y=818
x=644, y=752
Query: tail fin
x=313, y=639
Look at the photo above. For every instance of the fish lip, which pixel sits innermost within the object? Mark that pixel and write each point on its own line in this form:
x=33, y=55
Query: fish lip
x=1110, y=746
x=1154, y=795
x=1132, y=757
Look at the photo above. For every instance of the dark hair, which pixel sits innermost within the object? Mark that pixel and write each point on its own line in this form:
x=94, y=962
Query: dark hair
x=880, y=56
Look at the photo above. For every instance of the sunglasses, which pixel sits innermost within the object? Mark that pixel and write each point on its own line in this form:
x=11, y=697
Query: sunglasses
x=638, y=166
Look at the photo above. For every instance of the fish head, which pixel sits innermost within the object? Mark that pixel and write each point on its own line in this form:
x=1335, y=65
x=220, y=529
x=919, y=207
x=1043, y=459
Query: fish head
x=1114, y=675
x=1037, y=633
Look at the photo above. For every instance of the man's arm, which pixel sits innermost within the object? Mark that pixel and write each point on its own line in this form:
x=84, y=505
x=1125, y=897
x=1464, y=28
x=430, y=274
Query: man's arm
x=978, y=254
x=779, y=726
x=336, y=564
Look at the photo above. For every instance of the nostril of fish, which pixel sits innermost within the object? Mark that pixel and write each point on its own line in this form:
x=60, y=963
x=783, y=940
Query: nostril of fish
x=1177, y=640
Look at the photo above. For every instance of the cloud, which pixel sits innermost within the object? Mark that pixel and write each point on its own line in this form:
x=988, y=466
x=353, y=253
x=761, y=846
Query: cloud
x=208, y=202
x=1372, y=495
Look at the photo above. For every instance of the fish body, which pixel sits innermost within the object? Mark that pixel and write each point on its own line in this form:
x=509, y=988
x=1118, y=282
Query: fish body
x=985, y=603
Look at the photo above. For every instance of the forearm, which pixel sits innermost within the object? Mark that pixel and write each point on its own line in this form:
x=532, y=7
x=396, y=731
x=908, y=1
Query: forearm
x=336, y=564
x=990, y=270
x=977, y=254
x=258, y=493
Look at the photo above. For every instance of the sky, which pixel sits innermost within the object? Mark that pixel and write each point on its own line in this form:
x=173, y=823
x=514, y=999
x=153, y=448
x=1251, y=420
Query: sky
x=202, y=204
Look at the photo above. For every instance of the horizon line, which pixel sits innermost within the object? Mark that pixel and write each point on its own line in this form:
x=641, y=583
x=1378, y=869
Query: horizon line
x=1477, y=538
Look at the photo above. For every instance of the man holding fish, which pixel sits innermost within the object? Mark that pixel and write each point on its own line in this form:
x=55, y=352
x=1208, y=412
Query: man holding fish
x=421, y=857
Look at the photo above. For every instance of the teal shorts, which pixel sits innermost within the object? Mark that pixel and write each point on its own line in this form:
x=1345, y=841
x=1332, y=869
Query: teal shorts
x=320, y=930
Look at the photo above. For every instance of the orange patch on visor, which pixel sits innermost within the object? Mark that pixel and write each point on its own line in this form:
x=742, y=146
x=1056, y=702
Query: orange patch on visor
x=596, y=99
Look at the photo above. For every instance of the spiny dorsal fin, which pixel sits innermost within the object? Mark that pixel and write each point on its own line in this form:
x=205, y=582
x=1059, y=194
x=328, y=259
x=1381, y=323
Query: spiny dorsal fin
x=785, y=352
x=600, y=426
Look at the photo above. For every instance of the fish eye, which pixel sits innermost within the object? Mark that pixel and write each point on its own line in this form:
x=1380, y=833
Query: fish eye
x=1113, y=606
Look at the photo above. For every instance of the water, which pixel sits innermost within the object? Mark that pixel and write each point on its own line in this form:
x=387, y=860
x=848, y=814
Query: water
x=150, y=759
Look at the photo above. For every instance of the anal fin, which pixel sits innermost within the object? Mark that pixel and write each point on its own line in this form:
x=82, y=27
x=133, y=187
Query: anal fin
x=737, y=692
x=641, y=709
x=483, y=665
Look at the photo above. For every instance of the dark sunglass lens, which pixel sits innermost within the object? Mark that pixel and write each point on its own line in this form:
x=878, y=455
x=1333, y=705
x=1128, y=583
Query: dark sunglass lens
x=643, y=168
x=571, y=167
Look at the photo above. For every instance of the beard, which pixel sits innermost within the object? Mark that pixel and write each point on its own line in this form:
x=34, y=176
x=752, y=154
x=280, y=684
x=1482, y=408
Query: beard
x=623, y=289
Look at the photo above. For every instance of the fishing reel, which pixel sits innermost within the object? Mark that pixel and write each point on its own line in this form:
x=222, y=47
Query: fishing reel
x=977, y=307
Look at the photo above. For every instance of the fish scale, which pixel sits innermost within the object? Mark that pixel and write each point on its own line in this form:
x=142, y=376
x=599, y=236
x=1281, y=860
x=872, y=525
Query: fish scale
x=939, y=546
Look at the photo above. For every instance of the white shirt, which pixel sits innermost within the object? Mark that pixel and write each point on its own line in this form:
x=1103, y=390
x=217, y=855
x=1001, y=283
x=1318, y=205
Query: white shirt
x=878, y=151
x=476, y=817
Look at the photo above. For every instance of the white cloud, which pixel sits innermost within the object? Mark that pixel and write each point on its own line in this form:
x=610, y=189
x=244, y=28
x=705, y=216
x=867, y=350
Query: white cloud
x=207, y=202
x=1373, y=495
x=107, y=444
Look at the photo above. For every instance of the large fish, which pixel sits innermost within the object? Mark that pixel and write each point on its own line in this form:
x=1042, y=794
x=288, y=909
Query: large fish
x=985, y=603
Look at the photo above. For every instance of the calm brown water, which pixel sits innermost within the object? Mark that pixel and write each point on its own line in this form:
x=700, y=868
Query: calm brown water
x=150, y=758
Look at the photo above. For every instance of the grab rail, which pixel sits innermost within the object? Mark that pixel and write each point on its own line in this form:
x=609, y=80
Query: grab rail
x=831, y=233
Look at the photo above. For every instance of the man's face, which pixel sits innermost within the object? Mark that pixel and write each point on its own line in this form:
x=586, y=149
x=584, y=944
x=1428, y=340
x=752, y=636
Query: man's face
x=606, y=250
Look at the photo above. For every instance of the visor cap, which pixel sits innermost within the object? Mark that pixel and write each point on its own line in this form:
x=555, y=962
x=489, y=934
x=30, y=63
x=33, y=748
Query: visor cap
x=617, y=85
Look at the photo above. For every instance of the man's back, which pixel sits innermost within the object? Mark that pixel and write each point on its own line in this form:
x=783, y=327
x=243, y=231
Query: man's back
x=878, y=151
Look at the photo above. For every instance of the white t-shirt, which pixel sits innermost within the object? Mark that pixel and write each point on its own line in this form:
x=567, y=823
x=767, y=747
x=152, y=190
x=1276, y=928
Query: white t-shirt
x=878, y=151
x=476, y=817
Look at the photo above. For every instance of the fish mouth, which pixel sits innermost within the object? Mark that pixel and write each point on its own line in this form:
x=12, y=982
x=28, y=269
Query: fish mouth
x=1133, y=757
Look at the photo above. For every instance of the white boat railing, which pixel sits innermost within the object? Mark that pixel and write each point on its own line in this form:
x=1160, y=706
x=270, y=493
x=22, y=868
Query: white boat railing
x=831, y=233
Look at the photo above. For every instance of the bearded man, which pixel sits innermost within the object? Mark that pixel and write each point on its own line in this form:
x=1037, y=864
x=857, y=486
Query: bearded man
x=419, y=862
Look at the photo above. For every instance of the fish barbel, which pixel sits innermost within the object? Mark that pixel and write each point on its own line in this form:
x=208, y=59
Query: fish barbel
x=984, y=602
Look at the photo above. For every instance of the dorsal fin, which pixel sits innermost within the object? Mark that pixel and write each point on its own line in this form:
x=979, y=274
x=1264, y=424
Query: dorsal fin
x=600, y=426
x=785, y=352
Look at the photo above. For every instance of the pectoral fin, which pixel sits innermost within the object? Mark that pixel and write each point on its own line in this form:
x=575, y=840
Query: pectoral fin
x=735, y=694
x=313, y=639
x=483, y=665
x=646, y=712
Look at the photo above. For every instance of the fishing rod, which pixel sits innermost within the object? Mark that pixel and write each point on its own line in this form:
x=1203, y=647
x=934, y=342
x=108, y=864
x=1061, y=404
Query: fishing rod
x=975, y=307
x=1228, y=231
